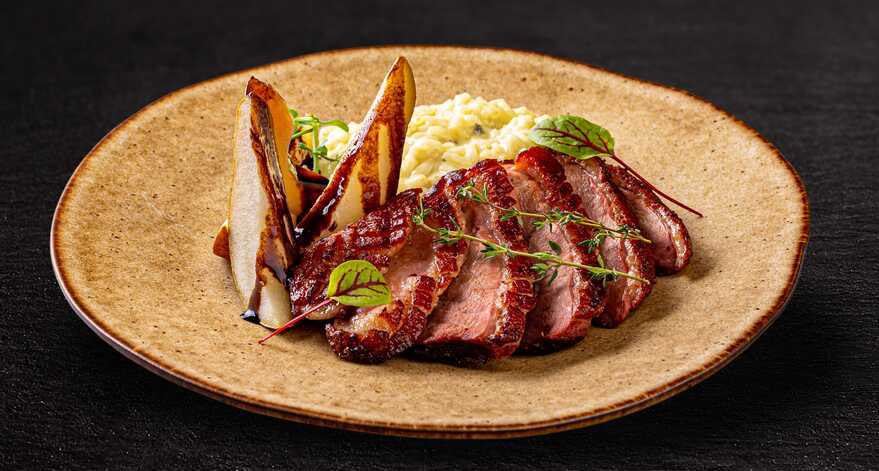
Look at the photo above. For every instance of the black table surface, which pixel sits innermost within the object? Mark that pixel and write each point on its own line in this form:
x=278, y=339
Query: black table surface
x=806, y=76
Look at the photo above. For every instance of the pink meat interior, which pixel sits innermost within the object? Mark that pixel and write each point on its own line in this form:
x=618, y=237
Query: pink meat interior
x=555, y=303
x=466, y=311
x=597, y=204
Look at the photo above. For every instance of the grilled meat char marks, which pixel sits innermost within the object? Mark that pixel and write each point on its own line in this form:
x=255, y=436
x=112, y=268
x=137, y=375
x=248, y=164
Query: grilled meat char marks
x=482, y=314
x=565, y=307
x=671, y=241
x=417, y=275
x=450, y=303
x=376, y=237
x=604, y=203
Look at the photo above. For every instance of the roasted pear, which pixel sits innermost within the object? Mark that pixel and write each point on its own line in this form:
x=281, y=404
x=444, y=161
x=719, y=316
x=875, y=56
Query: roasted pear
x=263, y=205
x=369, y=171
x=296, y=193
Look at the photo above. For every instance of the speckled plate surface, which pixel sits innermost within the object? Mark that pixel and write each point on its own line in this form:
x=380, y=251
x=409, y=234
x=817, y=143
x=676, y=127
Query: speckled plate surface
x=131, y=246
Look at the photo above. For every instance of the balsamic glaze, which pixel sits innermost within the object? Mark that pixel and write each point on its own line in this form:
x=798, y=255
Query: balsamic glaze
x=252, y=312
x=250, y=316
x=276, y=249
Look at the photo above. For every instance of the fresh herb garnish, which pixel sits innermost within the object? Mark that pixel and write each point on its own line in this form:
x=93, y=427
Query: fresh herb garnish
x=548, y=263
x=554, y=216
x=574, y=136
x=582, y=139
x=304, y=125
x=358, y=283
x=355, y=283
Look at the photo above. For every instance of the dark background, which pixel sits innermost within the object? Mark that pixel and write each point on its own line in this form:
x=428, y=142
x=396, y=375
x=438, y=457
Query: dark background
x=806, y=76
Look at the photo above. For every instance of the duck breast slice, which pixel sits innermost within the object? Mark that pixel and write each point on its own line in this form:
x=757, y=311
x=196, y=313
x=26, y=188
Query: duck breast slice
x=670, y=239
x=482, y=314
x=602, y=202
x=388, y=238
x=417, y=275
x=565, y=305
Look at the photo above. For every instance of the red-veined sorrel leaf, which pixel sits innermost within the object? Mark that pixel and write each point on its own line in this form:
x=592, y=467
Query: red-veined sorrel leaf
x=574, y=136
x=355, y=283
x=583, y=139
x=358, y=283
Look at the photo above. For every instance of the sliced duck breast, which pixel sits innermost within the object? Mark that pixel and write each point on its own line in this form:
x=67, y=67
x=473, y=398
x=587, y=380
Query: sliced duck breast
x=565, y=305
x=602, y=202
x=482, y=314
x=415, y=270
x=375, y=238
x=669, y=236
x=417, y=275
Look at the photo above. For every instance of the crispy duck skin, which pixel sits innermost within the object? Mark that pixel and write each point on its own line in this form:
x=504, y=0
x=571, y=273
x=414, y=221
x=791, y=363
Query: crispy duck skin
x=565, y=307
x=417, y=275
x=482, y=314
x=603, y=202
x=671, y=245
x=452, y=304
x=376, y=238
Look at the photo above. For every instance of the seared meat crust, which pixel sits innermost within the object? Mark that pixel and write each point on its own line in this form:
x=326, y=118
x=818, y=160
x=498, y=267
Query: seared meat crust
x=566, y=306
x=418, y=273
x=604, y=203
x=671, y=241
x=482, y=314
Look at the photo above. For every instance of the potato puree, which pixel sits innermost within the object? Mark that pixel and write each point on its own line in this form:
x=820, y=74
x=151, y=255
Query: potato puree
x=454, y=134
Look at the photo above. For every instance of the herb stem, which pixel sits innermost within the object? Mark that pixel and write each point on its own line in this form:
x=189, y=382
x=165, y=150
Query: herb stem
x=557, y=216
x=316, y=151
x=450, y=236
x=292, y=322
x=579, y=219
x=315, y=143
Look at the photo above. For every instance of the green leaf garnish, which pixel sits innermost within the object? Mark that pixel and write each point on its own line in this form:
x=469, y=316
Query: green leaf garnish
x=355, y=283
x=583, y=139
x=311, y=125
x=574, y=136
x=358, y=283
x=555, y=274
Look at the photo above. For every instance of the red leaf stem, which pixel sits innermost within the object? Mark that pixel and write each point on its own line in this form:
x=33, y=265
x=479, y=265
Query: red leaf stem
x=650, y=185
x=295, y=320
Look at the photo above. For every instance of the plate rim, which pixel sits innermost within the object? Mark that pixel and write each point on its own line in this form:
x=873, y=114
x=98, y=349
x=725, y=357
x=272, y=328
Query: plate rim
x=541, y=427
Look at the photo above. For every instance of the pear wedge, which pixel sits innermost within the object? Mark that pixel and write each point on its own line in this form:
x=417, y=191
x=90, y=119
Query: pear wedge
x=262, y=205
x=369, y=171
x=301, y=185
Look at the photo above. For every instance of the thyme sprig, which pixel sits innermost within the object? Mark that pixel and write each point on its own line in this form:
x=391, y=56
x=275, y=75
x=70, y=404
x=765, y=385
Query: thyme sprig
x=304, y=125
x=548, y=263
x=553, y=217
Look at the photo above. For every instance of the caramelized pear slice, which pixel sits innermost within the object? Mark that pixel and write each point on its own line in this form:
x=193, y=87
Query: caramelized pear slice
x=221, y=241
x=296, y=194
x=313, y=185
x=369, y=171
x=282, y=125
x=260, y=220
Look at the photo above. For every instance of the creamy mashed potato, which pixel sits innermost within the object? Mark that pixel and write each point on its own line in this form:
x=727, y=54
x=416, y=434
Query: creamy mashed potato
x=451, y=135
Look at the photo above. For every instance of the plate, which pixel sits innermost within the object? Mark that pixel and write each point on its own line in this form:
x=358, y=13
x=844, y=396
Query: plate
x=132, y=233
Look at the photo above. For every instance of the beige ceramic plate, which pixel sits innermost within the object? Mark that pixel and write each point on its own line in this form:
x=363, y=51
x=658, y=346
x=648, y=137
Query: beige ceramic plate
x=131, y=246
